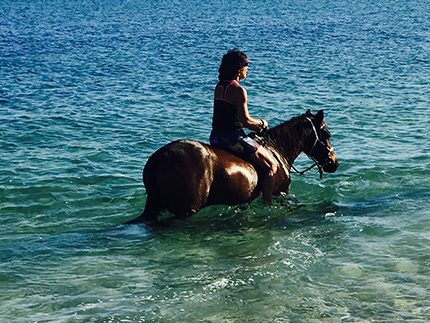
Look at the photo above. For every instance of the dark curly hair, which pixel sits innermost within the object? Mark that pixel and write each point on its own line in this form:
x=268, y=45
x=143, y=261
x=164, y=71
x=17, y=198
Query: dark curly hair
x=231, y=64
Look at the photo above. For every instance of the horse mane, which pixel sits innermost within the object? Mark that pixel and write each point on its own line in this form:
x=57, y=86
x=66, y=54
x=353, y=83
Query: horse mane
x=287, y=134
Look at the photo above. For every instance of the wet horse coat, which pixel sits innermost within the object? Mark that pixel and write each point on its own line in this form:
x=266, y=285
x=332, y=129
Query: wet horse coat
x=186, y=175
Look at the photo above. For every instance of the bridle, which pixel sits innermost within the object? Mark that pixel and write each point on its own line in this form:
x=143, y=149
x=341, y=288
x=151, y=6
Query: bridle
x=317, y=143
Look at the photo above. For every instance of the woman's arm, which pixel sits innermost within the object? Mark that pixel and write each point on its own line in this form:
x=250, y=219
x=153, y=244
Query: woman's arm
x=237, y=95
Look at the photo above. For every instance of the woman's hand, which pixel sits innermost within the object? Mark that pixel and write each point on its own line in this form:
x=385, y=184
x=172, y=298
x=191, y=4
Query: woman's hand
x=263, y=125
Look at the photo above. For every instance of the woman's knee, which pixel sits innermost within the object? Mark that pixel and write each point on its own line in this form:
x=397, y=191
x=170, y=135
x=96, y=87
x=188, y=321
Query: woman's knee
x=273, y=169
x=270, y=164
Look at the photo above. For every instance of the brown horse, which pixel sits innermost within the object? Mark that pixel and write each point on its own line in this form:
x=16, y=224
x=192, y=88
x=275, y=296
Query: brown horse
x=186, y=175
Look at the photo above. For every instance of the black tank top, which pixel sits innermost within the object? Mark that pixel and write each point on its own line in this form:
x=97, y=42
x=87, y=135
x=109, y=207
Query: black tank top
x=225, y=117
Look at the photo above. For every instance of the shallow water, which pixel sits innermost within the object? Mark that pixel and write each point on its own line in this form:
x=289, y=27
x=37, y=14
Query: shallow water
x=89, y=90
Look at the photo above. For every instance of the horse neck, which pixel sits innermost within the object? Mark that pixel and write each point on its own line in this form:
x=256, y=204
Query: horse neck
x=289, y=138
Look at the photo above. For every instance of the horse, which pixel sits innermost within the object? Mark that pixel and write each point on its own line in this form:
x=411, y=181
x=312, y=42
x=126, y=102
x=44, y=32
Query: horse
x=185, y=176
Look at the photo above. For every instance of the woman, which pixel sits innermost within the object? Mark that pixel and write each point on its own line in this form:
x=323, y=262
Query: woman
x=231, y=116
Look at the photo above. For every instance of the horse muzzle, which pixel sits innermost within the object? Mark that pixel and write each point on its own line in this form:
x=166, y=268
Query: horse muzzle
x=331, y=164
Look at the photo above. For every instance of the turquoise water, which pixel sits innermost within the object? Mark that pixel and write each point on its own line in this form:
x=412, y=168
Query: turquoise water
x=90, y=89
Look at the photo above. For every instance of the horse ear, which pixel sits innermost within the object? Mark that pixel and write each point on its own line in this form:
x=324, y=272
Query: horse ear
x=319, y=117
x=308, y=112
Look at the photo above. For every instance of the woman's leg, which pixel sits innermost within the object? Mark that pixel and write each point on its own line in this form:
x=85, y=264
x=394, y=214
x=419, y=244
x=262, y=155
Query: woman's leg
x=269, y=167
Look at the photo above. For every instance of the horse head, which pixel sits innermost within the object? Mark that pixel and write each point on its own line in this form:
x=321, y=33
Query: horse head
x=317, y=145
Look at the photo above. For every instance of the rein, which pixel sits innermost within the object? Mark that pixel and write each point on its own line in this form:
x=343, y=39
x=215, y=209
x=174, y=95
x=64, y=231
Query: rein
x=307, y=169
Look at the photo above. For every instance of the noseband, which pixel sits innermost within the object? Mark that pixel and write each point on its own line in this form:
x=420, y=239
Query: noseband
x=317, y=143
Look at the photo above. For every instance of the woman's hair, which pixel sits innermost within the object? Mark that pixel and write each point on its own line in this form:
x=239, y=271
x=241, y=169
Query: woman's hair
x=231, y=64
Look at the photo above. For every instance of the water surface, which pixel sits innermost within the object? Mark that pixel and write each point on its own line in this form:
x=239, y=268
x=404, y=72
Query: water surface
x=90, y=89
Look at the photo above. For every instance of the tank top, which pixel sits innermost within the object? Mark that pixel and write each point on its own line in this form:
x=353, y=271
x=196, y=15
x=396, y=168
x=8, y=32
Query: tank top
x=225, y=116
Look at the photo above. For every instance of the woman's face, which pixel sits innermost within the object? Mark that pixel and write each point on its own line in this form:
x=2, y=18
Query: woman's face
x=243, y=72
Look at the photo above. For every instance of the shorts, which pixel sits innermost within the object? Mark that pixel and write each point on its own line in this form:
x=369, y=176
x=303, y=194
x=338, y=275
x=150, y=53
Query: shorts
x=236, y=142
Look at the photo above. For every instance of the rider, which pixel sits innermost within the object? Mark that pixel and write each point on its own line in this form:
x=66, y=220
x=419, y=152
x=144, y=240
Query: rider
x=231, y=116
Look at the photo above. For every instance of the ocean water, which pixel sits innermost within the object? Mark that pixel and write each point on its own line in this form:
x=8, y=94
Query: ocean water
x=90, y=89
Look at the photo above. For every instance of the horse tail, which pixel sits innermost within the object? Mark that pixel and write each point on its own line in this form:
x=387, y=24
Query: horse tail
x=153, y=205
